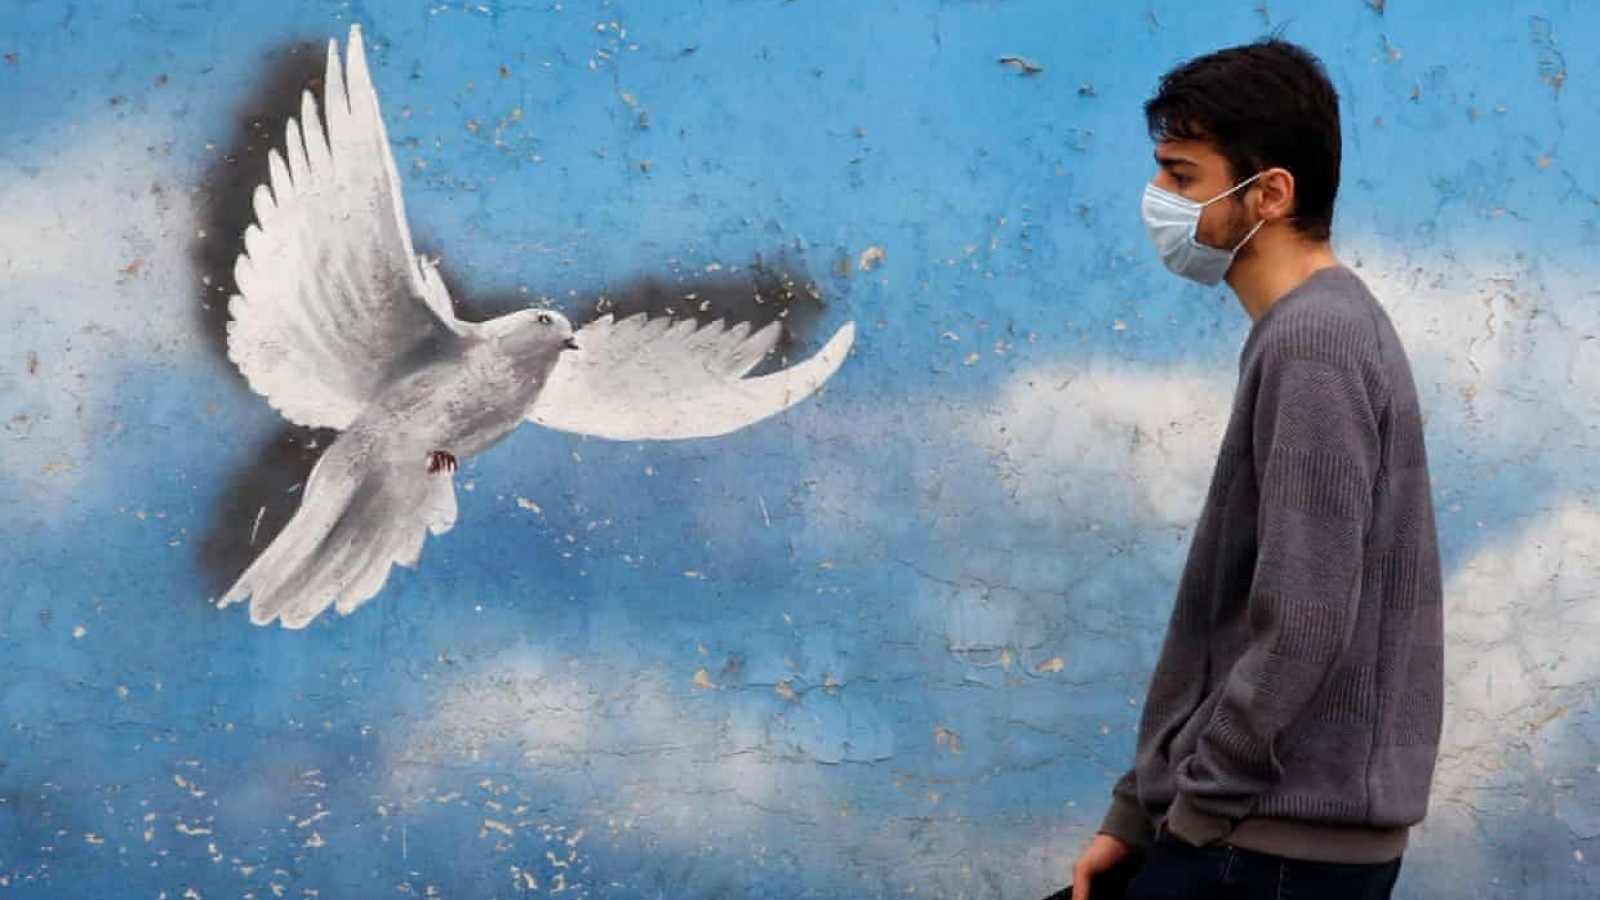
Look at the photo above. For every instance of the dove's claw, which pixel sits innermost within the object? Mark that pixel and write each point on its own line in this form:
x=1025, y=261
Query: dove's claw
x=440, y=459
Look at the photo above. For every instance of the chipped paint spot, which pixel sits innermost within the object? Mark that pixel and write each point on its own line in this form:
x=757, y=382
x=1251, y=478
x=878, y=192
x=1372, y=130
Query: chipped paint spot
x=1024, y=66
x=944, y=737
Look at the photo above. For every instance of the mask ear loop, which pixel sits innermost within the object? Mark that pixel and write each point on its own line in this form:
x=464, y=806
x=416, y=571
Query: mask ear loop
x=1240, y=246
x=1240, y=186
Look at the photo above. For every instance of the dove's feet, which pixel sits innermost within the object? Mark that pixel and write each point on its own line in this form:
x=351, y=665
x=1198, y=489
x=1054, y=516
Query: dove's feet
x=440, y=459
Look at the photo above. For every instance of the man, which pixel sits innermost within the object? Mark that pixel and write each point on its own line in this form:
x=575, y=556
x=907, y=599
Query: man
x=1290, y=729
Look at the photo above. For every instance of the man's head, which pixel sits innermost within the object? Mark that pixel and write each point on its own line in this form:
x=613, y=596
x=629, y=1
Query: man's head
x=1266, y=108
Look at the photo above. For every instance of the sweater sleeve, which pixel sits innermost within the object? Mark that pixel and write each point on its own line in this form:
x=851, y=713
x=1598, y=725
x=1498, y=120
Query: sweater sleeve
x=1316, y=453
x=1126, y=819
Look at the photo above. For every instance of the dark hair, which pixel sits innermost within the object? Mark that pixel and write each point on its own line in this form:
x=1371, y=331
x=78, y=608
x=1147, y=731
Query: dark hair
x=1262, y=105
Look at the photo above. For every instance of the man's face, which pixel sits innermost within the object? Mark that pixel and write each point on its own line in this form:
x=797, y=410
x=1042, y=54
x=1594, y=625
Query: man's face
x=1195, y=170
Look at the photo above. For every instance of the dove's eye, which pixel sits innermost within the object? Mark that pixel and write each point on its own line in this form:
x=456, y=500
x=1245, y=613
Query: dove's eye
x=545, y=319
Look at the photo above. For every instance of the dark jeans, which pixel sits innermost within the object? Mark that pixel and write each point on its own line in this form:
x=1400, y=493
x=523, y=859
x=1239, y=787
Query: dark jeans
x=1175, y=870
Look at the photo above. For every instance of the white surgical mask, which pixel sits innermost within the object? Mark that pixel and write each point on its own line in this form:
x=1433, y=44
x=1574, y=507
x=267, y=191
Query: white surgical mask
x=1172, y=220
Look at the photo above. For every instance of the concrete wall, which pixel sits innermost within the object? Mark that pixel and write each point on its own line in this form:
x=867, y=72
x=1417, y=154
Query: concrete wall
x=888, y=643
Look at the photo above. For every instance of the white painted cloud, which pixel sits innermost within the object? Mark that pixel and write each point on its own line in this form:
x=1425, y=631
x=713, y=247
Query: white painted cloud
x=1522, y=621
x=693, y=764
x=1506, y=352
x=93, y=275
x=683, y=756
x=1106, y=441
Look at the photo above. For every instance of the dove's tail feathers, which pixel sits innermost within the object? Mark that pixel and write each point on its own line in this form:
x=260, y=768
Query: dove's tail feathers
x=360, y=515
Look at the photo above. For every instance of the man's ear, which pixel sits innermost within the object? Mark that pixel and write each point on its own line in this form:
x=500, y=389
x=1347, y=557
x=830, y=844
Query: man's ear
x=1276, y=190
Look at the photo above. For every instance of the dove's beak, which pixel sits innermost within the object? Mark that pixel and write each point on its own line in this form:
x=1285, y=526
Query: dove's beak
x=570, y=343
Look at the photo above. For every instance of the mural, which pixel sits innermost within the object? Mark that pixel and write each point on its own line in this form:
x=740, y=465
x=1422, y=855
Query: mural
x=881, y=627
x=339, y=324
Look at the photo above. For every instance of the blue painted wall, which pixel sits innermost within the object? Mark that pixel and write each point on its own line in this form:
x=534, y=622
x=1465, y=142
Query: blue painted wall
x=891, y=643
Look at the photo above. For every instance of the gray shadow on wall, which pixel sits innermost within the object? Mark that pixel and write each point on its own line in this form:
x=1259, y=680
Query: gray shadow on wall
x=260, y=499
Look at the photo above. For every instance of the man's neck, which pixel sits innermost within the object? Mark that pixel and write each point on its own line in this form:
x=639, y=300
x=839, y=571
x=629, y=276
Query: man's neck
x=1279, y=263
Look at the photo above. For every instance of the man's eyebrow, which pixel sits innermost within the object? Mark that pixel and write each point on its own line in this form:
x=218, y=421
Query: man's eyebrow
x=1169, y=161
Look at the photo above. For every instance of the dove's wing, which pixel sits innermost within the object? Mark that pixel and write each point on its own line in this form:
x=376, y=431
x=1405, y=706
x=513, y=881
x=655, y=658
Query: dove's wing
x=655, y=379
x=331, y=293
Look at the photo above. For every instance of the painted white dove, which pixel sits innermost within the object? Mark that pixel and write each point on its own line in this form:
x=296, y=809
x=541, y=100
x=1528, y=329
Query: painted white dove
x=340, y=324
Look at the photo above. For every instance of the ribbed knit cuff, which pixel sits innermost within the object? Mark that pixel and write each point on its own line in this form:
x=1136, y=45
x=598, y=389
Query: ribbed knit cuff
x=1196, y=827
x=1127, y=822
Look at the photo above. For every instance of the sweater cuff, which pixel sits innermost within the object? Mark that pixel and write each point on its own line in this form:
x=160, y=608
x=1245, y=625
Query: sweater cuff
x=1195, y=827
x=1127, y=822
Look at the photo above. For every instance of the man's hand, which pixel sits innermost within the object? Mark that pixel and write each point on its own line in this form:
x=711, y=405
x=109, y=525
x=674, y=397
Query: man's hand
x=1102, y=853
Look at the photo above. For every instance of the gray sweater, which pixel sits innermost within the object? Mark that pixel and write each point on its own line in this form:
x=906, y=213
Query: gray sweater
x=1296, y=706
